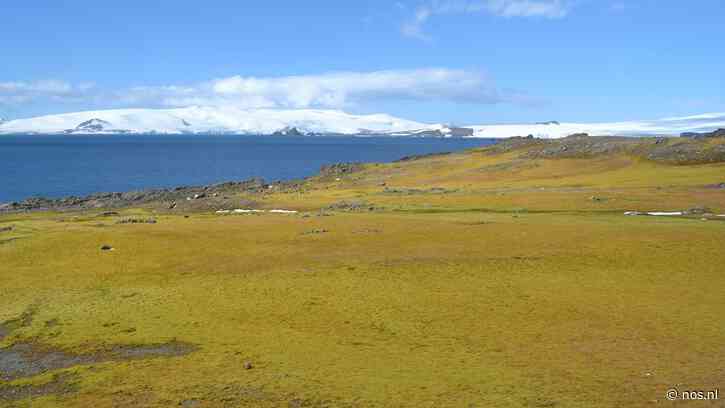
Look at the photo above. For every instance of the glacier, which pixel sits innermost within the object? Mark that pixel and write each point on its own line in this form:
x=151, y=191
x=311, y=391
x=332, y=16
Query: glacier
x=211, y=120
x=231, y=120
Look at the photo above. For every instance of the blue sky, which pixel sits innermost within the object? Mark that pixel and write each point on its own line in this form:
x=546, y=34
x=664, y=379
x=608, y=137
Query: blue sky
x=465, y=62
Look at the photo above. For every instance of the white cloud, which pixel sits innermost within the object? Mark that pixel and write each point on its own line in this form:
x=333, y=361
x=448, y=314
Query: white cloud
x=414, y=26
x=18, y=92
x=331, y=90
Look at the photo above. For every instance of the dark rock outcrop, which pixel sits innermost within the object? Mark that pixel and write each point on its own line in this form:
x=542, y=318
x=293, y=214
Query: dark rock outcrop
x=460, y=132
x=421, y=156
x=288, y=131
x=339, y=169
x=215, y=192
x=93, y=125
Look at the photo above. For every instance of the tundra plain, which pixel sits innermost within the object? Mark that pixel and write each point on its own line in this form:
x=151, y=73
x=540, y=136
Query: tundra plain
x=505, y=276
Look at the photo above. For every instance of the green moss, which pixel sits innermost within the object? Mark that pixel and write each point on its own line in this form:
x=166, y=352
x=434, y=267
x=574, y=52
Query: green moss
x=451, y=302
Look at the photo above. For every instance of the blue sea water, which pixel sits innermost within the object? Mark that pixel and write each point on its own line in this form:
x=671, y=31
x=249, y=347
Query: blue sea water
x=57, y=166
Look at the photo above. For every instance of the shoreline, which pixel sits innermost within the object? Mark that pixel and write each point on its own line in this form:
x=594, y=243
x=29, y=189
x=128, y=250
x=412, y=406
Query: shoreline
x=191, y=198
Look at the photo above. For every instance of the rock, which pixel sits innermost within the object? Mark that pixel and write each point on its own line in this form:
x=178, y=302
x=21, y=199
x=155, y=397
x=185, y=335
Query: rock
x=172, y=205
x=248, y=365
x=460, y=132
x=93, y=125
x=353, y=205
x=199, y=196
x=315, y=231
x=339, y=169
x=137, y=221
x=421, y=156
x=136, y=198
x=6, y=229
x=699, y=210
x=288, y=131
x=426, y=133
x=106, y=248
x=133, y=196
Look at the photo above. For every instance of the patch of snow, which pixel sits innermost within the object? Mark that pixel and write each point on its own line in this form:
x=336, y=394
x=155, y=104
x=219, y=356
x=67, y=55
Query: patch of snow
x=656, y=213
x=551, y=130
x=248, y=211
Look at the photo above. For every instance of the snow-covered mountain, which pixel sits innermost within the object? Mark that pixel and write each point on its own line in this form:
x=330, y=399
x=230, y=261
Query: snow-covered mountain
x=669, y=126
x=329, y=122
x=213, y=120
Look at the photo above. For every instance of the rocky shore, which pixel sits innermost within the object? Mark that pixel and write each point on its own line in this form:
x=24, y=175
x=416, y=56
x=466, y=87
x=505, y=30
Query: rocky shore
x=182, y=198
x=189, y=197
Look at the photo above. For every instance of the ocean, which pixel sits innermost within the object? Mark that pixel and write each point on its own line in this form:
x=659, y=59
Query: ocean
x=57, y=166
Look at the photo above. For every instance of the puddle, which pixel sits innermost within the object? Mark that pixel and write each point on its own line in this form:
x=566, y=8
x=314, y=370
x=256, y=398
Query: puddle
x=60, y=384
x=23, y=360
x=26, y=359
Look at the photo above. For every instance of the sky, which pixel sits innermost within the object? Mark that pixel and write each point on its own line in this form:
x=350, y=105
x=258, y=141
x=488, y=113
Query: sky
x=446, y=61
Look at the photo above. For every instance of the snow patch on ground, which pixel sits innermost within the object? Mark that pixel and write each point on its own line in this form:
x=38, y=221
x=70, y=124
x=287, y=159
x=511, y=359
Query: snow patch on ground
x=657, y=213
x=247, y=211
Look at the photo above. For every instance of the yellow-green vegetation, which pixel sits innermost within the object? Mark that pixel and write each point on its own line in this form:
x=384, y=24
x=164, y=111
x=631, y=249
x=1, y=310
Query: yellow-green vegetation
x=464, y=280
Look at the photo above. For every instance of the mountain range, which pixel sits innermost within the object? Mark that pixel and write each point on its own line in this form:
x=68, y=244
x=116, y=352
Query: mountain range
x=230, y=120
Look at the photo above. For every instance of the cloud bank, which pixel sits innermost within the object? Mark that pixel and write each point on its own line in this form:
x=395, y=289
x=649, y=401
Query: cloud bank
x=414, y=26
x=332, y=90
x=18, y=92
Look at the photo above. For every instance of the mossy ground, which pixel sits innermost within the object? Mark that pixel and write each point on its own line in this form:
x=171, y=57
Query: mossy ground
x=509, y=286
